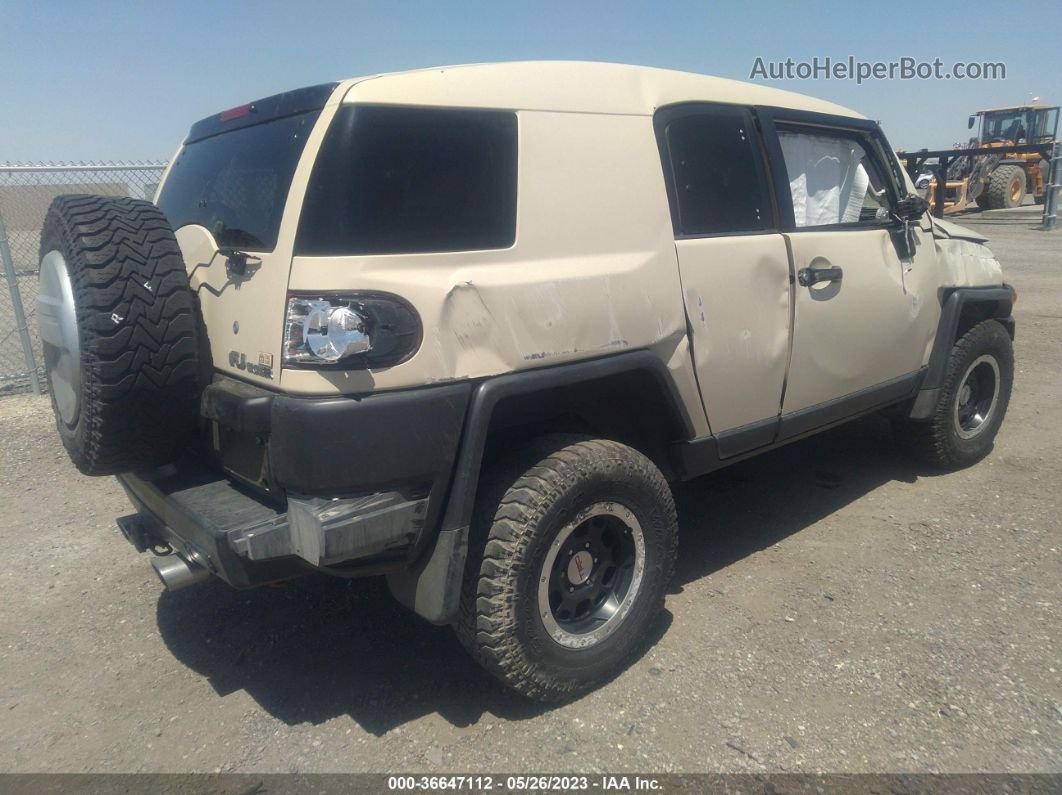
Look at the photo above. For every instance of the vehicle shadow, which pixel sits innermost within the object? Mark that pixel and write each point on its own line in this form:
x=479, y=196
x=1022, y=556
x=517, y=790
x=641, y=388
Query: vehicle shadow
x=756, y=503
x=320, y=647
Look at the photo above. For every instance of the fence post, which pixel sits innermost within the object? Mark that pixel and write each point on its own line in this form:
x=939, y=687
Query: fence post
x=1054, y=176
x=16, y=306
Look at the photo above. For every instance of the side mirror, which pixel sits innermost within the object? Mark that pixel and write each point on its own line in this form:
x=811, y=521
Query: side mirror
x=911, y=208
x=970, y=123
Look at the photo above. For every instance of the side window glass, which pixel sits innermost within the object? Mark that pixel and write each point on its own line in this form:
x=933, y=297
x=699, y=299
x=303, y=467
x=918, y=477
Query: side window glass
x=1046, y=132
x=718, y=185
x=832, y=179
x=404, y=180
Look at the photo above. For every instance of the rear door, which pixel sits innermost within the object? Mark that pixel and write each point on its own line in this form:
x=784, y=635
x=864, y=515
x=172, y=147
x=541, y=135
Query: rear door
x=733, y=267
x=864, y=309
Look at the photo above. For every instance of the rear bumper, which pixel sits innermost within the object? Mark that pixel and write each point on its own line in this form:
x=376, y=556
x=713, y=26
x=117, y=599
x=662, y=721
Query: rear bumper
x=213, y=523
x=336, y=445
x=350, y=484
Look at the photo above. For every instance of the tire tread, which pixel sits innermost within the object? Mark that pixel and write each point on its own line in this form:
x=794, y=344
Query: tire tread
x=504, y=523
x=140, y=375
x=932, y=443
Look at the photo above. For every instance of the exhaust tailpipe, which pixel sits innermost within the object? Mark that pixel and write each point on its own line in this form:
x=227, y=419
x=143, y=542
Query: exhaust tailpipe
x=176, y=572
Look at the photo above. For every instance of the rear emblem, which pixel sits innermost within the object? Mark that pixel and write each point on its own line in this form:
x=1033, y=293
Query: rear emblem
x=264, y=369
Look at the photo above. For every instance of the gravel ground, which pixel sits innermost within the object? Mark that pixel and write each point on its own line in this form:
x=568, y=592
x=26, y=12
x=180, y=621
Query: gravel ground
x=834, y=610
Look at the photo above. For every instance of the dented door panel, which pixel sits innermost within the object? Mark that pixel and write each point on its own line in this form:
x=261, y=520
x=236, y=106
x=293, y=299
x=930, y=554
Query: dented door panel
x=736, y=291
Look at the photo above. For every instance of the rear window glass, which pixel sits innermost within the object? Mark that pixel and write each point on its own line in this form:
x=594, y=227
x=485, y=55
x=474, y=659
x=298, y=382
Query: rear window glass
x=236, y=183
x=393, y=180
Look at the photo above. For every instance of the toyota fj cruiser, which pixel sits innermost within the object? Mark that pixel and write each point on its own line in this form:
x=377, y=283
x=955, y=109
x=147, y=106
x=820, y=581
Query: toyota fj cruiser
x=462, y=326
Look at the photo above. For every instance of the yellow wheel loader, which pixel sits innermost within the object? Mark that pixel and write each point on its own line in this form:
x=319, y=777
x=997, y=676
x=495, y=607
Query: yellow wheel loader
x=988, y=172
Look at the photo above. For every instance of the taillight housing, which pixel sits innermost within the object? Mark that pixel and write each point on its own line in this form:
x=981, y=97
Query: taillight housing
x=349, y=331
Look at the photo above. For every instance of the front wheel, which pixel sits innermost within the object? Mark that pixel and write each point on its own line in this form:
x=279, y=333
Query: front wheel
x=973, y=401
x=1006, y=188
x=571, y=553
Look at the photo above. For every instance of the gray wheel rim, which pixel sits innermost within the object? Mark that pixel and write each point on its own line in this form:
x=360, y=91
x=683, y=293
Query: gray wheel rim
x=578, y=570
x=977, y=397
x=57, y=317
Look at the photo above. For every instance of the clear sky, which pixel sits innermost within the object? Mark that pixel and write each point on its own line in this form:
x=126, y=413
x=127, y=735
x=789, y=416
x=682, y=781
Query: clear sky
x=93, y=79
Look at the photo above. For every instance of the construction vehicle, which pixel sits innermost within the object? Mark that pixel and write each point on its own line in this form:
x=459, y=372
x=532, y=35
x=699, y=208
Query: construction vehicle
x=991, y=170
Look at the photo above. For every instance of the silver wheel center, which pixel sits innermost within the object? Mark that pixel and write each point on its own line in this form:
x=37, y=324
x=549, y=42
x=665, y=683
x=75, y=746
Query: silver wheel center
x=580, y=567
x=57, y=317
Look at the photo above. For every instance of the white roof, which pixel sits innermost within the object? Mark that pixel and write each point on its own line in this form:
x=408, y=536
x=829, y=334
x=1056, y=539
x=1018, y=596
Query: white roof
x=570, y=86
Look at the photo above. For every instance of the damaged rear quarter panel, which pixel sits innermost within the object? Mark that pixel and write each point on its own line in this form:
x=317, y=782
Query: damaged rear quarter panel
x=510, y=314
x=593, y=270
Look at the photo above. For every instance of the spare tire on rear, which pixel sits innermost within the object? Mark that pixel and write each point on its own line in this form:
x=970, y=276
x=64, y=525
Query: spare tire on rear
x=118, y=326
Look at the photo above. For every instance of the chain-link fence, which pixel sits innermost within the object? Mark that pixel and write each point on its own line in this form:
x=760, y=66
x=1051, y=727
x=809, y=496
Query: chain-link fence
x=26, y=191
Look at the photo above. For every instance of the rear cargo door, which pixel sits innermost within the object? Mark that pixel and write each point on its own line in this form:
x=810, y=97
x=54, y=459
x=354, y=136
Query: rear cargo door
x=227, y=196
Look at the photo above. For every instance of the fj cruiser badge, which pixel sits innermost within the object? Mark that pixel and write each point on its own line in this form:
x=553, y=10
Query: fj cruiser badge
x=264, y=368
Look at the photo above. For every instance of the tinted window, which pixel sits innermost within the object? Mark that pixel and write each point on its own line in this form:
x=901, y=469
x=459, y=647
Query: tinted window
x=392, y=180
x=235, y=183
x=718, y=184
x=832, y=178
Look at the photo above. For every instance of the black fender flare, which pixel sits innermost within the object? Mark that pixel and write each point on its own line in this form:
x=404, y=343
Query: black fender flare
x=1001, y=300
x=432, y=588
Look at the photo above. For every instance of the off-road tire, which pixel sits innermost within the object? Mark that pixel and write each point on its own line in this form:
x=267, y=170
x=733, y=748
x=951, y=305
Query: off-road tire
x=937, y=443
x=136, y=323
x=1001, y=187
x=522, y=507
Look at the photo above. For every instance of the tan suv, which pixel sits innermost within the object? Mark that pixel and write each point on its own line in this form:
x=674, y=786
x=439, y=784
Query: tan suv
x=461, y=327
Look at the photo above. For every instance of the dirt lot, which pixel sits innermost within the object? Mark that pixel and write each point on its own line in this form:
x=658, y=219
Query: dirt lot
x=835, y=610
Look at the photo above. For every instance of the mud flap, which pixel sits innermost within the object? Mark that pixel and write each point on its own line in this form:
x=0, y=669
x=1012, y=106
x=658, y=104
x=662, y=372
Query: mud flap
x=432, y=590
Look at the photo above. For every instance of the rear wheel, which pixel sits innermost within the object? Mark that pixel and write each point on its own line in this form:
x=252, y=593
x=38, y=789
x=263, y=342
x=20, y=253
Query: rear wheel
x=972, y=404
x=572, y=550
x=118, y=327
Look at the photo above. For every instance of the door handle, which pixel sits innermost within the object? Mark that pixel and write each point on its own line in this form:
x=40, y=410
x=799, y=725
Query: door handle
x=809, y=277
